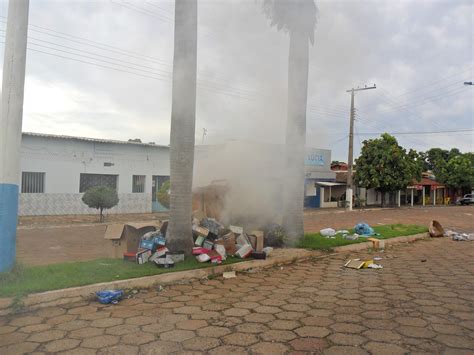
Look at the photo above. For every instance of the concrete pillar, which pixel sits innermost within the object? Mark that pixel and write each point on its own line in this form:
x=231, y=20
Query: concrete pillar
x=398, y=198
x=349, y=198
x=434, y=197
x=329, y=193
x=423, y=195
x=10, y=127
x=411, y=201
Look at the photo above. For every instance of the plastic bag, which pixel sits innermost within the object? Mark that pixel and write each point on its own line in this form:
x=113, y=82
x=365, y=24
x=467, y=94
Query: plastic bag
x=327, y=232
x=363, y=229
x=109, y=296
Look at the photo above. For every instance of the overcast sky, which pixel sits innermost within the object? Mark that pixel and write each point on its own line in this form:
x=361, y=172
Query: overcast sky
x=103, y=69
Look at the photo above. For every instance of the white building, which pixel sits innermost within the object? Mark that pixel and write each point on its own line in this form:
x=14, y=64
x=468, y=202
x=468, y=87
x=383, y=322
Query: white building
x=56, y=170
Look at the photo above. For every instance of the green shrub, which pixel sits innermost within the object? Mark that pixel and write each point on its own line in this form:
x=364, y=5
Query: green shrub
x=101, y=198
x=163, y=194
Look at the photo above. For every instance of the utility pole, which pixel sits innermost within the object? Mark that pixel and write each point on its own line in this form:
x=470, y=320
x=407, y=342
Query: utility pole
x=10, y=127
x=204, y=133
x=351, y=147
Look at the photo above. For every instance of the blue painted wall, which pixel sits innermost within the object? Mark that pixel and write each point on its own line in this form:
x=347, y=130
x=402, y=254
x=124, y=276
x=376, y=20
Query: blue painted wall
x=8, y=221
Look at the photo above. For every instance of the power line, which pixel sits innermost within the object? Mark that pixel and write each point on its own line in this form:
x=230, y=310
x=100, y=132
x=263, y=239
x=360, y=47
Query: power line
x=419, y=132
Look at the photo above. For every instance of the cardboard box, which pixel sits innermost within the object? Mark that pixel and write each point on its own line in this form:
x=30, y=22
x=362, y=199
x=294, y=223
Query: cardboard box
x=199, y=251
x=125, y=238
x=258, y=255
x=208, y=244
x=215, y=257
x=244, y=251
x=236, y=229
x=201, y=230
x=354, y=264
x=200, y=240
x=258, y=236
x=228, y=241
x=143, y=255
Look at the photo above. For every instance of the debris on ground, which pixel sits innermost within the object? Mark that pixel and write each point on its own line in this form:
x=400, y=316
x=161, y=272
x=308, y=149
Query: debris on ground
x=229, y=275
x=109, y=296
x=360, y=264
x=377, y=244
x=216, y=241
x=436, y=229
x=327, y=232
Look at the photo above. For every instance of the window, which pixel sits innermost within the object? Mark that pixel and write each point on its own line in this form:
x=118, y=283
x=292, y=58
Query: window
x=138, y=183
x=32, y=183
x=92, y=180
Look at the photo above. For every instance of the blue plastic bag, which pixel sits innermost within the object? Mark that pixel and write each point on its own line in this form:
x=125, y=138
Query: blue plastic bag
x=363, y=229
x=109, y=296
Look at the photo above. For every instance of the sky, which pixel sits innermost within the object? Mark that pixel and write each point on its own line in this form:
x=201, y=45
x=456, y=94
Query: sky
x=103, y=69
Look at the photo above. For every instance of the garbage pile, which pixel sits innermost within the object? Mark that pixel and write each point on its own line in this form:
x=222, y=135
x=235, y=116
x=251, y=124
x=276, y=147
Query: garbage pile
x=362, y=230
x=214, y=242
x=459, y=237
x=152, y=248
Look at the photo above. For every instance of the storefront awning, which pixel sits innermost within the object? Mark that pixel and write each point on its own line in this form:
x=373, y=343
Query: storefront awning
x=328, y=184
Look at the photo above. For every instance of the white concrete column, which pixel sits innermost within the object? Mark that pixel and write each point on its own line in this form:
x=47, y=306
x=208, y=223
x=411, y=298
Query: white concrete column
x=330, y=193
x=398, y=198
x=434, y=197
x=423, y=195
x=411, y=197
x=349, y=198
x=10, y=127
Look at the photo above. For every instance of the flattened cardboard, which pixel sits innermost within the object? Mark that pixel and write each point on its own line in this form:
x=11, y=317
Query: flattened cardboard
x=354, y=264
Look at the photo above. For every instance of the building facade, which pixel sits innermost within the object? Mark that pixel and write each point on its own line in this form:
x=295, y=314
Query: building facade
x=57, y=170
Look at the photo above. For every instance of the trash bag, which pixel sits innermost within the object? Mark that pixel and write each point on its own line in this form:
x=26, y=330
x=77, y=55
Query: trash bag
x=363, y=229
x=436, y=229
x=327, y=232
x=109, y=296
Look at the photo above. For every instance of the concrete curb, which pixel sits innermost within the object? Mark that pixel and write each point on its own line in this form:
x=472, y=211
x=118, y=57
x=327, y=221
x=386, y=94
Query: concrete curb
x=396, y=240
x=278, y=257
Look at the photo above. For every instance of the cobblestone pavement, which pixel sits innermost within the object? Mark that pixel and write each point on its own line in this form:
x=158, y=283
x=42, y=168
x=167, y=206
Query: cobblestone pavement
x=41, y=245
x=422, y=302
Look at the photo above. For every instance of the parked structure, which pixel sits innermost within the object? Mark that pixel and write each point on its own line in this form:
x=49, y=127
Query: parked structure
x=57, y=170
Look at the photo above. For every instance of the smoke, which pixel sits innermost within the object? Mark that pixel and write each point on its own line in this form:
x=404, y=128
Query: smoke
x=252, y=172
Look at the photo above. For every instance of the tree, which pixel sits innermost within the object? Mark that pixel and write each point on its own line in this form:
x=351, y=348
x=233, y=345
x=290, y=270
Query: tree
x=183, y=121
x=460, y=172
x=298, y=18
x=101, y=198
x=386, y=166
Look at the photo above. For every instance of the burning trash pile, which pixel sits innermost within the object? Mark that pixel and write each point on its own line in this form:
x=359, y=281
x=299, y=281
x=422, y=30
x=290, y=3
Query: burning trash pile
x=213, y=242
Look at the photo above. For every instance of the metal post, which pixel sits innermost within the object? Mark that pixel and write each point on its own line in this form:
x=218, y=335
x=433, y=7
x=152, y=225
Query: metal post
x=350, y=158
x=423, y=195
x=398, y=198
x=434, y=197
x=411, y=197
x=10, y=127
x=351, y=146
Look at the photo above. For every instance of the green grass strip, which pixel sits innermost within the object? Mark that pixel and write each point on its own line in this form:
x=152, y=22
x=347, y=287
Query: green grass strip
x=25, y=280
x=317, y=241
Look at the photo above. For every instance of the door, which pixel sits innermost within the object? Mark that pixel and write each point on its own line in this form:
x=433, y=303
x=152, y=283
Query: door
x=157, y=182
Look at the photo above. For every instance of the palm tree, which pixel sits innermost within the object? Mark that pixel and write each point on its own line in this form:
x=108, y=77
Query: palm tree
x=183, y=120
x=298, y=18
